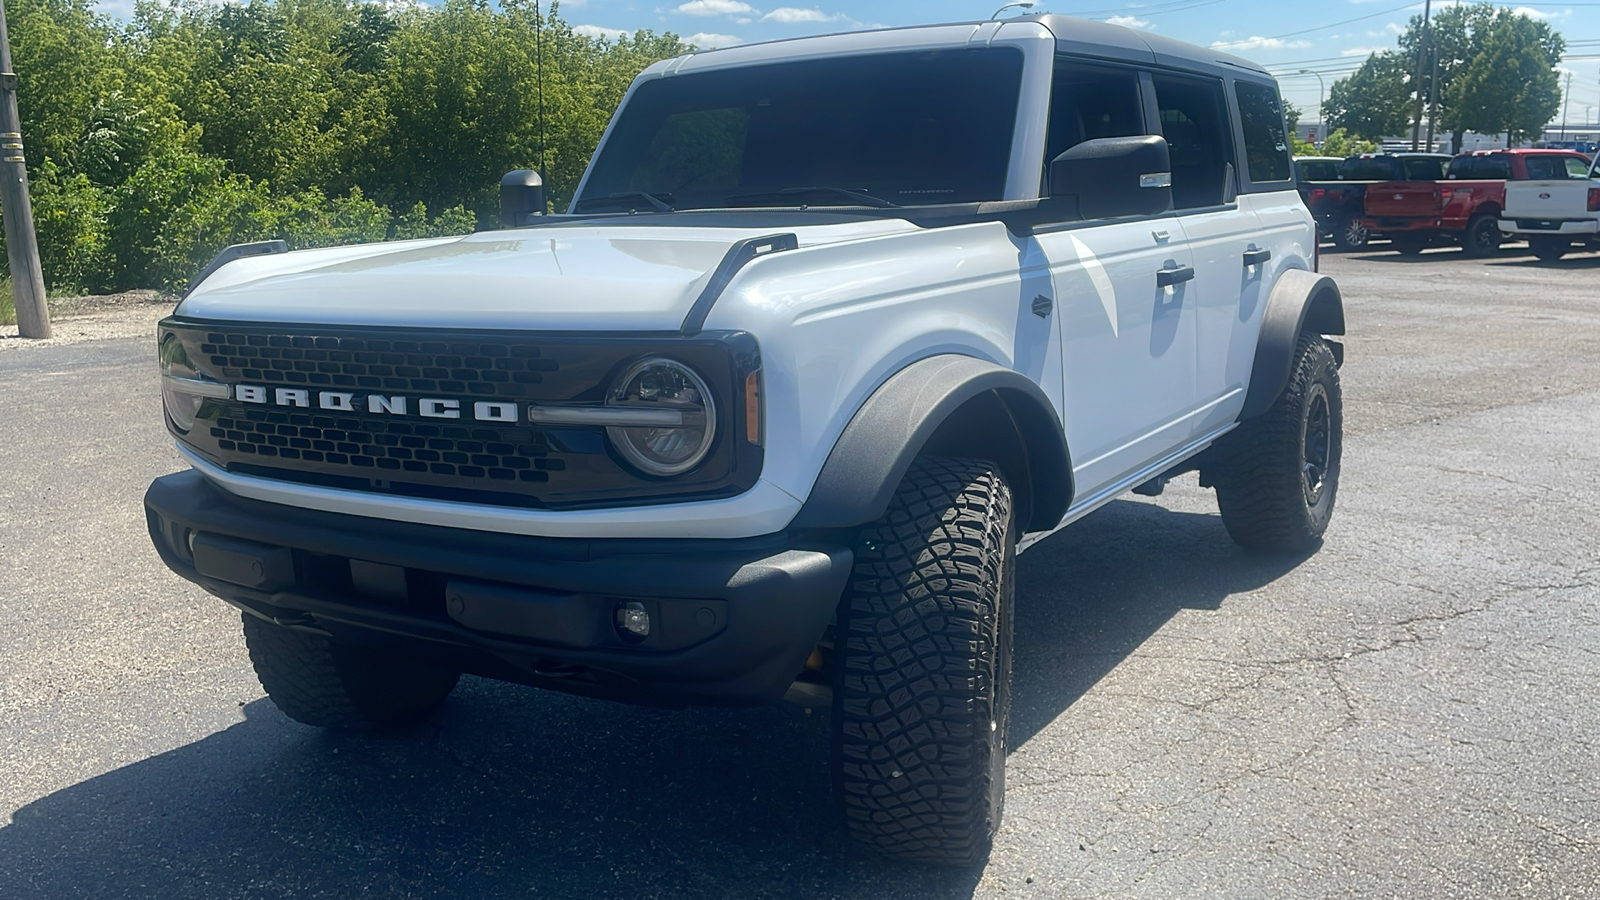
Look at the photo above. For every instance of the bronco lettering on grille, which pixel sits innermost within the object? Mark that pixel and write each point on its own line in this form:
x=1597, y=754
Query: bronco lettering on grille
x=375, y=404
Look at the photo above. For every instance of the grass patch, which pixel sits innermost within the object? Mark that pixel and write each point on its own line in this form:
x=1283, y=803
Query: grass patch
x=8, y=309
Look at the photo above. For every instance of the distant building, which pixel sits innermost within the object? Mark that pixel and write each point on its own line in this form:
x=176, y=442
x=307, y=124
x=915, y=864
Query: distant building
x=1582, y=137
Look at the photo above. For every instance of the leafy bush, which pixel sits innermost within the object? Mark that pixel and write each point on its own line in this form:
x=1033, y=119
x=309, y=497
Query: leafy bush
x=69, y=216
x=157, y=142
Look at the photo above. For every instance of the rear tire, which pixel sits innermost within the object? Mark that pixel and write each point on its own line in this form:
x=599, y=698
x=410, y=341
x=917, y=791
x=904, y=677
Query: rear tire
x=1482, y=237
x=1548, y=247
x=923, y=678
x=1277, y=474
x=1349, y=234
x=321, y=682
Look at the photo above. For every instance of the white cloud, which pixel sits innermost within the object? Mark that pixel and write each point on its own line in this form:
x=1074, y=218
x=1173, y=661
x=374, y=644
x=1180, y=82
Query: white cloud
x=1393, y=28
x=707, y=41
x=790, y=15
x=1129, y=22
x=1260, y=43
x=1363, y=51
x=599, y=33
x=1532, y=13
x=715, y=8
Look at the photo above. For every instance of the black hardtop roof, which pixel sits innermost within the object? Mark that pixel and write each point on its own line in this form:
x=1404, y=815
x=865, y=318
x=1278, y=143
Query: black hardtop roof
x=1083, y=37
x=1087, y=38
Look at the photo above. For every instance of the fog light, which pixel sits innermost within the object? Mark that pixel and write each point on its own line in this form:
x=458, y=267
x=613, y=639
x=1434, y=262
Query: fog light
x=633, y=620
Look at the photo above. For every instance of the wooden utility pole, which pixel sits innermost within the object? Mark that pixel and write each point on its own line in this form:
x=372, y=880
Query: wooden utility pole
x=27, y=277
x=1566, y=105
x=1422, y=55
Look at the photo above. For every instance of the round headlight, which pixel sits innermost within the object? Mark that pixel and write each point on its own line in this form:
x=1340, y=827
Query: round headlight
x=182, y=406
x=669, y=387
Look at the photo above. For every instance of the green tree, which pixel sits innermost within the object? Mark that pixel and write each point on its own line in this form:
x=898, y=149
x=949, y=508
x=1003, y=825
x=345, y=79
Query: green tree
x=1455, y=39
x=1511, y=84
x=1340, y=143
x=196, y=124
x=1371, y=103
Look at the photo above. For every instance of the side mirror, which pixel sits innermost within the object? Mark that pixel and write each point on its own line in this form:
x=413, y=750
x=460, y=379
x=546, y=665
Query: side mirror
x=1113, y=177
x=521, y=196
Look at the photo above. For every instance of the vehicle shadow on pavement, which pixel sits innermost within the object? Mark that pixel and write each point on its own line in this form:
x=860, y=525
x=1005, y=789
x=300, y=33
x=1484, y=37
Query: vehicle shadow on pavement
x=1575, y=261
x=1092, y=594
x=514, y=791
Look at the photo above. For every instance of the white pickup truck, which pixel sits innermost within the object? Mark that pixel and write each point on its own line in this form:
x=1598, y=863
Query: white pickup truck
x=1556, y=211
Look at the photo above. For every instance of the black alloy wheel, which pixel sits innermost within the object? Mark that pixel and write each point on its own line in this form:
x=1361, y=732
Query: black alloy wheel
x=1482, y=237
x=1316, y=441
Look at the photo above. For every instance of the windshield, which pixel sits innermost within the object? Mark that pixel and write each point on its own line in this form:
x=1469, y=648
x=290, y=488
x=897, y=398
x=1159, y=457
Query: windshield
x=902, y=129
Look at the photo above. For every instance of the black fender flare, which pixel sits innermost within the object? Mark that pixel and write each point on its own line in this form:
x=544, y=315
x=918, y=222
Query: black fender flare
x=1300, y=301
x=952, y=405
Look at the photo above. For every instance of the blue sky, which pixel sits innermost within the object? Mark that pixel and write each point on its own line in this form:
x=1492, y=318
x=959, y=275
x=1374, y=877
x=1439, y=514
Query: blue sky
x=1329, y=37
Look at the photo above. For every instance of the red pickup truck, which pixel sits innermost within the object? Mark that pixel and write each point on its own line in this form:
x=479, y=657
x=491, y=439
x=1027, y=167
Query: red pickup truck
x=1464, y=208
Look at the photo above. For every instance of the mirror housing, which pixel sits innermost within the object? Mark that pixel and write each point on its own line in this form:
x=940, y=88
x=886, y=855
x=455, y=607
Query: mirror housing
x=521, y=196
x=1115, y=177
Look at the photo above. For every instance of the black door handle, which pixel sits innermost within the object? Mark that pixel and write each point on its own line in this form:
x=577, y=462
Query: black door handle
x=1256, y=257
x=1170, y=277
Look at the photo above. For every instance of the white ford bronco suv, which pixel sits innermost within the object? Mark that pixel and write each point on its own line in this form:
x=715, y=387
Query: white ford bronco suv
x=834, y=328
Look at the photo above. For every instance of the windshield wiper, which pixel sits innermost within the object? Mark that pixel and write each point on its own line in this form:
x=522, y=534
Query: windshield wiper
x=621, y=198
x=861, y=199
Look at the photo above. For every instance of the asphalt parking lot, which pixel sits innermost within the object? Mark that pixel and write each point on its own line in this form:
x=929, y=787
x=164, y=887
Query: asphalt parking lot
x=1410, y=712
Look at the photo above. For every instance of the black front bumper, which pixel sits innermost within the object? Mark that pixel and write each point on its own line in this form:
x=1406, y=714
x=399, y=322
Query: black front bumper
x=732, y=620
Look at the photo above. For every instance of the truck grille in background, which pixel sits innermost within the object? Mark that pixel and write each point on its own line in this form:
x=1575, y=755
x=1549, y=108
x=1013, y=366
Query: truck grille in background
x=507, y=463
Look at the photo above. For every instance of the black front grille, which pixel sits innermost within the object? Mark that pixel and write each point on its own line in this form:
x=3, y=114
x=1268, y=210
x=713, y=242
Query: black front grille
x=473, y=367
x=455, y=450
x=511, y=463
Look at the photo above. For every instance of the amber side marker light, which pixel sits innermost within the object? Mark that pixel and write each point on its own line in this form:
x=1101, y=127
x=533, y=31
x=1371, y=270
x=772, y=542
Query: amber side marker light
x=752, y=408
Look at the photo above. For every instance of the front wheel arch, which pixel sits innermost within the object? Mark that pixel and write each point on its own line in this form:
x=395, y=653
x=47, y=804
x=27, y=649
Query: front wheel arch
x=949, y=405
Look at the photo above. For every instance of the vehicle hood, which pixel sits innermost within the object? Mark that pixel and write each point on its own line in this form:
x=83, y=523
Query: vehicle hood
x=564, y=278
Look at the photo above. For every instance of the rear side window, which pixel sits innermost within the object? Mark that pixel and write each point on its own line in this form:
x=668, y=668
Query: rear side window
x=1194, y=120
x=1266, y=144
x=1485, y=168
x=1424, y=169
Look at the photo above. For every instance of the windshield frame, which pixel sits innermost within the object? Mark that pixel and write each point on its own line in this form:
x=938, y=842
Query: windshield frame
x=1036, y=43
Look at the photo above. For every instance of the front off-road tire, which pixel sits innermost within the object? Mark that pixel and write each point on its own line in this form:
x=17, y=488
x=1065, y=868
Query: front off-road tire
x=1277, y=474
x=922, y=680
x=1548, y=247
x=318, y=681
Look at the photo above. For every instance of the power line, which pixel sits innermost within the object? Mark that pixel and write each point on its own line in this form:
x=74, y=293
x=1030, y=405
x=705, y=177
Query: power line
x=1325, y=27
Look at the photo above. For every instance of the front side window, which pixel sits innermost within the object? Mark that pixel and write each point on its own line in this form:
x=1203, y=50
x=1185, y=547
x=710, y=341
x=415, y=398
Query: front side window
x=901, y=128
x=1266, y=143
x=1194, y=120
x=1087, y=103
